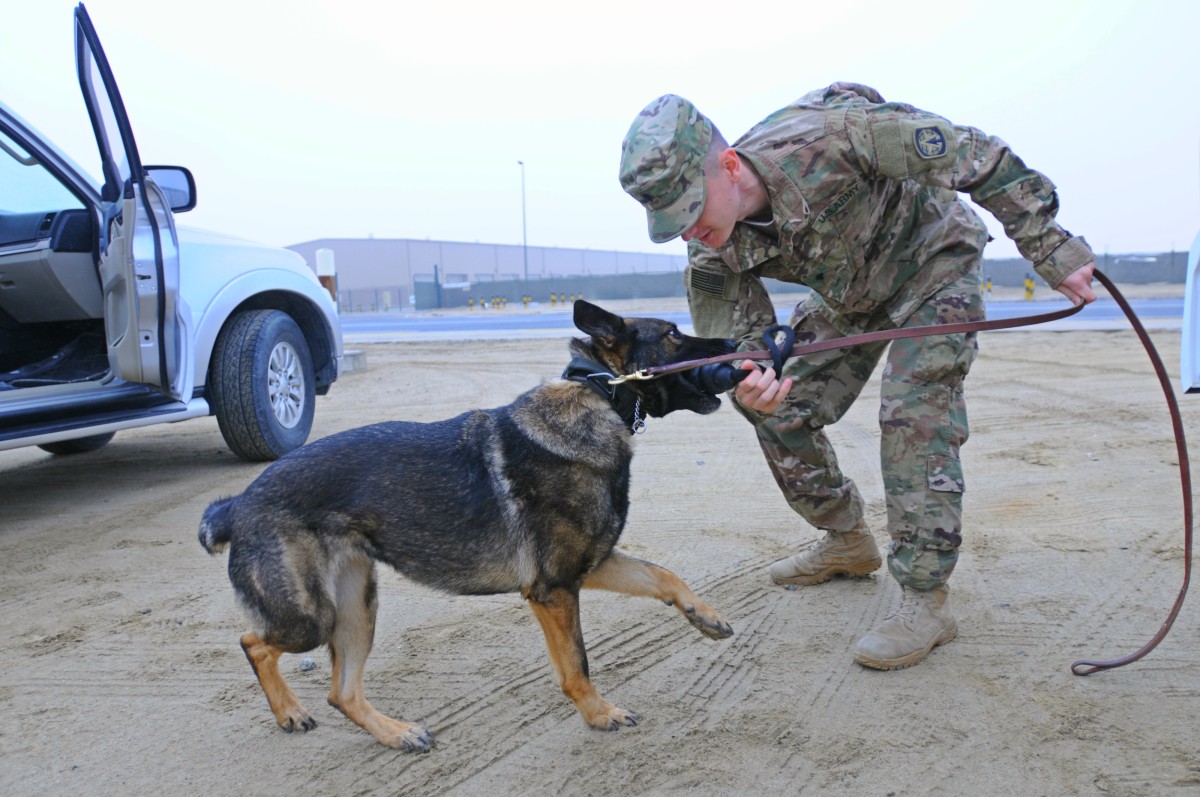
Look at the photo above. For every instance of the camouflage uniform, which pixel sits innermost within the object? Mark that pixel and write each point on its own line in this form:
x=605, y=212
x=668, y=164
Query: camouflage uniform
x=865, y=212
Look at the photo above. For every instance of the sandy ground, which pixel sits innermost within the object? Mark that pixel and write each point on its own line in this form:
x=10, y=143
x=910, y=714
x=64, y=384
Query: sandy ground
x=120, y=671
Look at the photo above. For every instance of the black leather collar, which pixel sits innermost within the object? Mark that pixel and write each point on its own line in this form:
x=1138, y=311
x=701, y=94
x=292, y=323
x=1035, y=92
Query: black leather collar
x=596, y=376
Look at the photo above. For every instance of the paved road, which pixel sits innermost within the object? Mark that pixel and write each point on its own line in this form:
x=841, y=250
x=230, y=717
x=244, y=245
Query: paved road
x=378, y=327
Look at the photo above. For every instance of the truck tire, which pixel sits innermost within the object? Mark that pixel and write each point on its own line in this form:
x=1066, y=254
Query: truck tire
x=261, y=385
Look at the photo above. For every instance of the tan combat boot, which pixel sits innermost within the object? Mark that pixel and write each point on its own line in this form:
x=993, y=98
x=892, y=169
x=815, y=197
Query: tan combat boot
x=839, y=553
x=920, y=623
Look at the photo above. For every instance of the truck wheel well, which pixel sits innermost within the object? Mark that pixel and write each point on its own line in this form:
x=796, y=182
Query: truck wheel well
x=312, y=324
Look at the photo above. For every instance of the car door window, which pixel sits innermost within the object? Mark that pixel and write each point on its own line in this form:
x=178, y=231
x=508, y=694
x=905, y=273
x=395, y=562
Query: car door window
x=108, y=130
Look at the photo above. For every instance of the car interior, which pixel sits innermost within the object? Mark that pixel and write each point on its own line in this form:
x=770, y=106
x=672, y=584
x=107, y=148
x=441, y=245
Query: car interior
x=51, y=304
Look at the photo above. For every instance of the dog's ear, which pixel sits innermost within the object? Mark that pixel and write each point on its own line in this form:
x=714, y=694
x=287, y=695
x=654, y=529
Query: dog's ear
x=601, y=325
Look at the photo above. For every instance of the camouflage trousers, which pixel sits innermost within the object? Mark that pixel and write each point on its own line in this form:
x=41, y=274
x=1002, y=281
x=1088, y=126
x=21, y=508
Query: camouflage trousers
x=922, y=419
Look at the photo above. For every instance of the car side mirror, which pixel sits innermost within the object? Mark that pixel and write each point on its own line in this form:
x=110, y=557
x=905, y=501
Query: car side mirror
x=177, y=185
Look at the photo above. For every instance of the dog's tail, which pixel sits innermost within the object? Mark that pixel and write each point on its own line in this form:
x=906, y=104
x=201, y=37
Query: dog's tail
x=216, y=526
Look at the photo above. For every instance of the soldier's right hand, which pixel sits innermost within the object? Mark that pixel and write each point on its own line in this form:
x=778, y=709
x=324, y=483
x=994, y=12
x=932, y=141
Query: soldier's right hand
x=760, y=390
x=1078, y=285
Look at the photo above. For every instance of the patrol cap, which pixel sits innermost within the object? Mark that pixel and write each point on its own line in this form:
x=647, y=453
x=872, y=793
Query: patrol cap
x=662, y=164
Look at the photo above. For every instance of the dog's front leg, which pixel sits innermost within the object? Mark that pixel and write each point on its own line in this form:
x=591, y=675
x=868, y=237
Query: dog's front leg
x=557, y=611
x=629, y=576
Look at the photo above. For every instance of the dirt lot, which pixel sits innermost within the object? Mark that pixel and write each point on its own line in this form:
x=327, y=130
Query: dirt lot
x=120, y=671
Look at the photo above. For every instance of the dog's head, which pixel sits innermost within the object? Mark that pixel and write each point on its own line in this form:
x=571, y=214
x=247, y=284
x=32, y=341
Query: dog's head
x=625, y=345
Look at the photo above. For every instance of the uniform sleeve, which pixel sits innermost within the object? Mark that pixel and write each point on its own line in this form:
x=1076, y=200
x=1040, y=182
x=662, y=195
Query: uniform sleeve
x=725, y=304
x=899, y=141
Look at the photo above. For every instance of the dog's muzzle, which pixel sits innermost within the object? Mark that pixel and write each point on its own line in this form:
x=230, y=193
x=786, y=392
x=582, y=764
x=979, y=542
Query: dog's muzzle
x=714, y=378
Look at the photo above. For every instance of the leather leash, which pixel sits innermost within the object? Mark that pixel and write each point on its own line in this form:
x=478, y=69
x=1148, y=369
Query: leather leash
x=1087, y=666
x=1083, y=666
x=855, y=340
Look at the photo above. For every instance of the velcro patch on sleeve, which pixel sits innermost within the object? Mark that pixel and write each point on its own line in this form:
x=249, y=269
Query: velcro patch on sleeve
x=889, y=148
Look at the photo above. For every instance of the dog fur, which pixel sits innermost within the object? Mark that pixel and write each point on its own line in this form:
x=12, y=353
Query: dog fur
x=530, y=497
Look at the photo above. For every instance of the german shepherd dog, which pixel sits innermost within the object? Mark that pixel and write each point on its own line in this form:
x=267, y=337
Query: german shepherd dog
x=530, y=497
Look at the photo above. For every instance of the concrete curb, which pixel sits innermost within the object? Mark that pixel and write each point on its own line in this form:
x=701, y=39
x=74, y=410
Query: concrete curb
x=353, y=360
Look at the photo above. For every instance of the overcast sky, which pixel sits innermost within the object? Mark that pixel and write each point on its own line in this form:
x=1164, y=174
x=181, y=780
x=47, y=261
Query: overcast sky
x=315, y=119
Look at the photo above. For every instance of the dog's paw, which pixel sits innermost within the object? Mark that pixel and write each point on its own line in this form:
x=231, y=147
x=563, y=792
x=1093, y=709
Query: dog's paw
x=409, y=737
x=612, y=719
x=296, y=719
x=708, y=622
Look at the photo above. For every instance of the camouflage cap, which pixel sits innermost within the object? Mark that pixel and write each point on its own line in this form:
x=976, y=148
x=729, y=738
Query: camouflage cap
x=662, y=164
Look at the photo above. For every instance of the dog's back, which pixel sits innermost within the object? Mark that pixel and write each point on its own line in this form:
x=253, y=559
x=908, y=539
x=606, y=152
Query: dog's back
x=463, y=505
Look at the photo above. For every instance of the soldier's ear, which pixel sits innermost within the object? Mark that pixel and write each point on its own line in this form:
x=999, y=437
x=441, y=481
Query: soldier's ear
x=731, y=163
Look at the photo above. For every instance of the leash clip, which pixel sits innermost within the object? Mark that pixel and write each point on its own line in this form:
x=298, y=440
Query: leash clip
x=637, y=376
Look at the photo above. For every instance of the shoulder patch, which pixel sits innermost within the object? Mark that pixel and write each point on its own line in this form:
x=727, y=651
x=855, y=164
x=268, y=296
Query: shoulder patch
x=930, y=142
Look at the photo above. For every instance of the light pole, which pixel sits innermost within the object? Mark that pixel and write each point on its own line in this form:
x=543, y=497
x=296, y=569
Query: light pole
x=524, y=234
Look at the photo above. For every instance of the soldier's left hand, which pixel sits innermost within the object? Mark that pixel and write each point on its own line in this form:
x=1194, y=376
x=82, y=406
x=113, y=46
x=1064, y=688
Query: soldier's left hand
x=1078, y=285
x=760, y=390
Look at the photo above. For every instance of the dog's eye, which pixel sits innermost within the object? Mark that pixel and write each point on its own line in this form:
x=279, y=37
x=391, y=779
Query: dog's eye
x=675, y=335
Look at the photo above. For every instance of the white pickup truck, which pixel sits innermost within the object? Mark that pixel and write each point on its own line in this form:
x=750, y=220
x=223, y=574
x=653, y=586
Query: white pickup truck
x=111, y=317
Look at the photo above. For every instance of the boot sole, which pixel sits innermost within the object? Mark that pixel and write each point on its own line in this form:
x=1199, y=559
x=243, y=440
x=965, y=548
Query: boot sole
x=847, y=571
x=912, y=659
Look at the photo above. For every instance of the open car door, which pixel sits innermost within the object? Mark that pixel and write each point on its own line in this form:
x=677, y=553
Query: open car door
x=139, y=250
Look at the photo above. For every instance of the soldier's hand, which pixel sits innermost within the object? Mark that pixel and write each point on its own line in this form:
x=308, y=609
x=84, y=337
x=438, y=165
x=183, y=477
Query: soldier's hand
x=1078, y=285
x=760, y=390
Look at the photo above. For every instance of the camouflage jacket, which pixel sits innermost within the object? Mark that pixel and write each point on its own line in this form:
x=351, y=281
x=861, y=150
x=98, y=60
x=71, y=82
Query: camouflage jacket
x=864, y=194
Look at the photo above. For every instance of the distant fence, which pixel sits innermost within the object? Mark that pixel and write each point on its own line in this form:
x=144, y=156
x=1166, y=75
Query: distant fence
x=1130, y=269
x=428, y=294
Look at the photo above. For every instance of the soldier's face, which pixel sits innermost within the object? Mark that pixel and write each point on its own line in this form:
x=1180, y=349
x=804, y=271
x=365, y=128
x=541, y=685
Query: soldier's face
x=720, y=213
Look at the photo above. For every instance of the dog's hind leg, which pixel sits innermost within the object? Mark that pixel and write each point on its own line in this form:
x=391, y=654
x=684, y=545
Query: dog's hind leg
x=264, y=658
x=557, y=611
x=624, y=574
x=349, y=646
x=289, y=611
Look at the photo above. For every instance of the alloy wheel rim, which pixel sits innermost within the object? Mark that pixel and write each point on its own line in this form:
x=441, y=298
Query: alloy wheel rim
x=285, y=385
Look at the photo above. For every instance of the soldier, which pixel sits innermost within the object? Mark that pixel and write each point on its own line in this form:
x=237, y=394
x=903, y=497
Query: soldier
x=855, y=198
